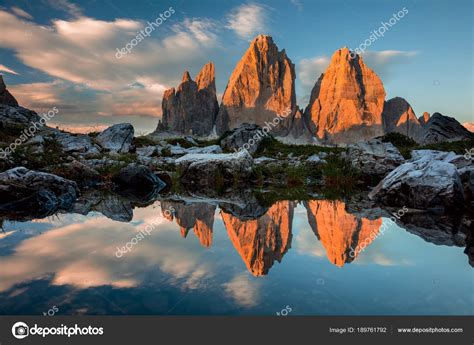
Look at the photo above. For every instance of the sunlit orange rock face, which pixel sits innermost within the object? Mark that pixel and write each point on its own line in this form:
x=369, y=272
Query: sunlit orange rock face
x=196, y=216
x=339, y=231
x=347, y=101
x=262, y=241
x=261, y=87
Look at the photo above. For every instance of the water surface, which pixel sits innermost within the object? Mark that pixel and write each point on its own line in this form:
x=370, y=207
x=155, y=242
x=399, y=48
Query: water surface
x=206, y=258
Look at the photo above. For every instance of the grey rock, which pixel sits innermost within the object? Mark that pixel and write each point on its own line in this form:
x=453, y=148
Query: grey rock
x=135, y=176
x=246, y=137
x=442, y=128
x=117, y=138
x=374, y=157
x=24, y=190
x=5, y=96
x=422, y=183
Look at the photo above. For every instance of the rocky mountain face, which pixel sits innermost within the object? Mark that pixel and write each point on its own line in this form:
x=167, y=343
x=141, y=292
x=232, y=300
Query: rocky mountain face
x=347, y=101
x=398, y=116
x=263, y=240
x=261, y=87
x=192, y=108
x=423, y=120
x=342, y=234
x=6, y=97
x=441, y=128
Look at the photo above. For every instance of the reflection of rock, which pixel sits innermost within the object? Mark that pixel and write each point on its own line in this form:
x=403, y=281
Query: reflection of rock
x=262, y=241
x=339, y=231
x=27, y=192
x=439, y=229
x=196, y=216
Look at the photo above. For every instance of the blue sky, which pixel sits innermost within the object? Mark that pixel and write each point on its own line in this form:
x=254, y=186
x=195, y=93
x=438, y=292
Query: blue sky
x=61, y=53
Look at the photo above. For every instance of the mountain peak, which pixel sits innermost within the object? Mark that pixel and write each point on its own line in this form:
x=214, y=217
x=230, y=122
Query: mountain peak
x=5, y=96
x=186, y=77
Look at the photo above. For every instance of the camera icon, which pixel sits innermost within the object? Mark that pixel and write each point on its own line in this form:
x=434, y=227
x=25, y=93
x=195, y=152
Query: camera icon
x=20, y=330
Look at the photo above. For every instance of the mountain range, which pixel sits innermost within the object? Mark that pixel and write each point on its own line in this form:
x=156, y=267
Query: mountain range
x=347, y=102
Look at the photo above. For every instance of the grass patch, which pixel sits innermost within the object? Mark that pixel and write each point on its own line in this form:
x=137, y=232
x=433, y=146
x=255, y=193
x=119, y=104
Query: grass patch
x=270, y=147
x=144, y=141
x=458, y=147
x=340, y=177
x=403, y=143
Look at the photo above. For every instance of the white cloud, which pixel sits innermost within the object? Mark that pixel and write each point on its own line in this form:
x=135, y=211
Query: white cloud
x=4, y=68
x=243, y=289
x=248, y=20
x=383, y=61
x=21, y=13
x=310, y=69
x=81, y=52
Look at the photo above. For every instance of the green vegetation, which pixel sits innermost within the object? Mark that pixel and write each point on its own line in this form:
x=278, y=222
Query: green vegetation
x=340, y=178
x=270, y=147
x=458, y=147
x=144, y=141
x=405, y=145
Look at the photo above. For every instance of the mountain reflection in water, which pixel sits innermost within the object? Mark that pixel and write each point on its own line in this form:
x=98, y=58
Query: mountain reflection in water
x=69, y=260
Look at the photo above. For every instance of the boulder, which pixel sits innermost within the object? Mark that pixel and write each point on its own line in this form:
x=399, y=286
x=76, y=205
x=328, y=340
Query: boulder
x=73, y=143
x=347, y=101
x=206, y=149
x=18, y=117
x=117, y=138
x=139, y=177
x=82, y=174
x=246, y=137
x=374, y=157
x=205, y=170
x=260, y=90
x=421, y=183
x=26, y=191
